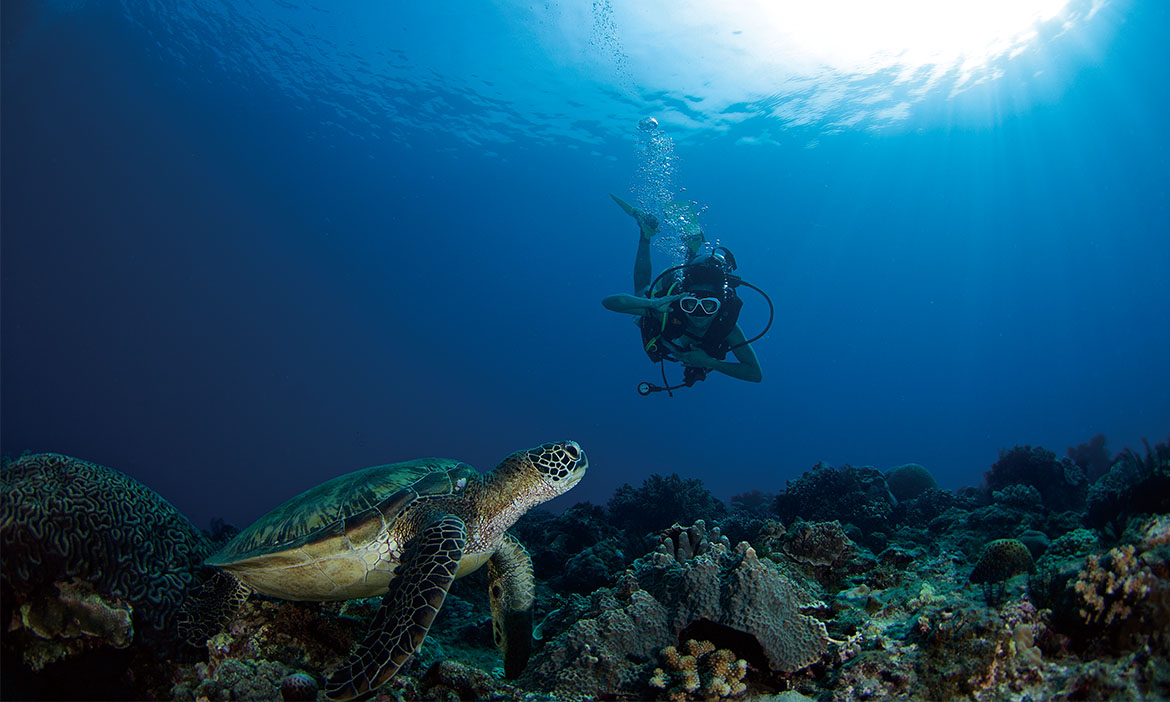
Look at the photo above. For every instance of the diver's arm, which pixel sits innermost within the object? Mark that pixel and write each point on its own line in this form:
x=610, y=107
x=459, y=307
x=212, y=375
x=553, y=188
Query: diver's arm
x=634, y=304
x=747, y=368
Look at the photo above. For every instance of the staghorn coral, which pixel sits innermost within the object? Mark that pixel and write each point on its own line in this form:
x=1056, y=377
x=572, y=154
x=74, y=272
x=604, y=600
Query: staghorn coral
x=61, y=518
x=700, y=672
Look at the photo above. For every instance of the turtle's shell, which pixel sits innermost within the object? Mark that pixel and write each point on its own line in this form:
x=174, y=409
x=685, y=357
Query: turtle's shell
x=336, y=507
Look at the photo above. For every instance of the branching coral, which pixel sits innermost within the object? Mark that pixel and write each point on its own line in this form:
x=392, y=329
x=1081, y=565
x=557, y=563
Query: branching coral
x=661, y=500
x=1111, y=590
x=857, y=496
x=1135, y=485
x=699, y=672
x=1061, y=483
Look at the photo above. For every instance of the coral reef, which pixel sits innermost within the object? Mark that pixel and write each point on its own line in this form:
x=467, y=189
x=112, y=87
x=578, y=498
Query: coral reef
x=732, y=605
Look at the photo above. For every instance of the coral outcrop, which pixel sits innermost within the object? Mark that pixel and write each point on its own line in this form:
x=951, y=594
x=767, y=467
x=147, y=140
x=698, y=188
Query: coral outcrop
x=909, y=481
x=63, y=518
x=856, y=496
x=694, y=576
x=662, y=500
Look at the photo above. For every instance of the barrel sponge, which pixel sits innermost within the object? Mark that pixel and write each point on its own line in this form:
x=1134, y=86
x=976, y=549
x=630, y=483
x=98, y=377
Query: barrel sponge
x=1001, y=559
x=61, y=518
x=910, y=480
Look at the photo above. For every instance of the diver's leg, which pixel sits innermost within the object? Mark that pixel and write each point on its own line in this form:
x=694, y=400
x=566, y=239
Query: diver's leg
x=642, y=267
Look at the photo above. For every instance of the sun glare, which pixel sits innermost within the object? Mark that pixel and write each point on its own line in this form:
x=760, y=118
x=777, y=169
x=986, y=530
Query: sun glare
x=861, y=60
x=862, y=37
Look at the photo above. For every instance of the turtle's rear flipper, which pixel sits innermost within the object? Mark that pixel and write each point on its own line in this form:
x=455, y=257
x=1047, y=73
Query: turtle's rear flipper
x=416, y=593
x=512, y=592
x=209, y=607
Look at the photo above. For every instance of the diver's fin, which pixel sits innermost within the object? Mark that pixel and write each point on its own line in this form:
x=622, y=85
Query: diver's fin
x=647, y=222
x=629, y=209
x=686, y=220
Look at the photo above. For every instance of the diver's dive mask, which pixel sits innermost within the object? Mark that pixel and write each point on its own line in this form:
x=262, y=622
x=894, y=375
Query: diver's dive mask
x=699, y=306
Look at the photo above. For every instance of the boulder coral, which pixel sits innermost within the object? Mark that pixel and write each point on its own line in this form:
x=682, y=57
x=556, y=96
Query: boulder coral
x=1001, y=559
x=910, y=480
x=64, y=518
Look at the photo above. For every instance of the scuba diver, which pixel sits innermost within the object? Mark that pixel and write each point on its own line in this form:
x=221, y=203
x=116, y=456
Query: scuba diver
x=689, y=313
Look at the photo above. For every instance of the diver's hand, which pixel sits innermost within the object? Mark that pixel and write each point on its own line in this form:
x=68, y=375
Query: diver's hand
x=662, y=305
x=647, y=223
x=695, y=358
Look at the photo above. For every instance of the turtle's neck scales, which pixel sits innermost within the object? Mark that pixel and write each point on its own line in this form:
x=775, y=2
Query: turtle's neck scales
x=493, y=504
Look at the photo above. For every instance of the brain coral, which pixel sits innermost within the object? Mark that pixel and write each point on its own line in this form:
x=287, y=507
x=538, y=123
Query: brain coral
x=62, y=517
x=1000, y=560
x=909, y=480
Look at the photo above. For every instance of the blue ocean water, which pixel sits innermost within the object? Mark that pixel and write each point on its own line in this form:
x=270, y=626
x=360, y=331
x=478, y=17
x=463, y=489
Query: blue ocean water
x=247, y=247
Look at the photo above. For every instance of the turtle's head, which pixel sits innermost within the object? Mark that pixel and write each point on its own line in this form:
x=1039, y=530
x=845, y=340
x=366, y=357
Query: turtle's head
x=546, y=471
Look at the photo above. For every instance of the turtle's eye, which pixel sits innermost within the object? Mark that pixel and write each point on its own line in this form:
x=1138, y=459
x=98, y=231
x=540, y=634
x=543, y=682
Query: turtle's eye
x=572, y=449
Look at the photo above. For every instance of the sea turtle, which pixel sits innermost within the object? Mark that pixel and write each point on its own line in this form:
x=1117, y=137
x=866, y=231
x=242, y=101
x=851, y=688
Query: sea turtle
x=405, y=530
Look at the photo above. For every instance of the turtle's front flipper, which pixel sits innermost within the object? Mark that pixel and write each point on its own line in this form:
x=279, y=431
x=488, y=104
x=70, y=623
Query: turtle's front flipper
x=416, y=593
x=512, y=592
x=209, y=607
